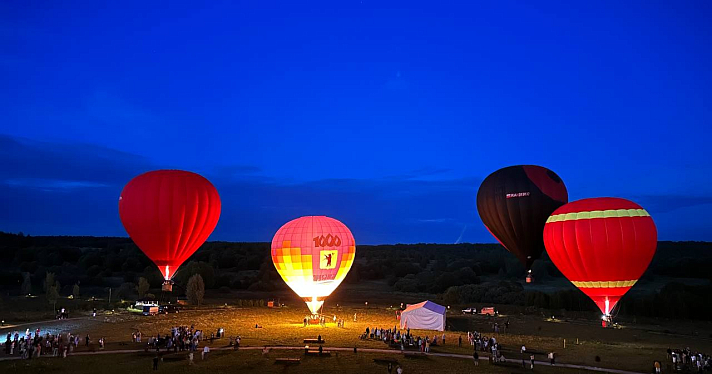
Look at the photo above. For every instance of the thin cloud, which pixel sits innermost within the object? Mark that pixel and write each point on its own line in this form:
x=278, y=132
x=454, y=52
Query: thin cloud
x=52, y=184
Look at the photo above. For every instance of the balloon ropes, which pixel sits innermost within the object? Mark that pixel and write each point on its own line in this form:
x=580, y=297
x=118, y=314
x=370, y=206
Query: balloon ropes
x=514, y=203
x=313, y=254
x=169, y=214
x=602, y=245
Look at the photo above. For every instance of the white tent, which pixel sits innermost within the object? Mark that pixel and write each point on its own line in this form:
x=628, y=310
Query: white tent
x=424, y=316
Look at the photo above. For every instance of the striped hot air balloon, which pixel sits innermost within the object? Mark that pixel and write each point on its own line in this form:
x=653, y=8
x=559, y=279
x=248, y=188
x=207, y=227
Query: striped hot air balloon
x=313, y=255
x=602, y=245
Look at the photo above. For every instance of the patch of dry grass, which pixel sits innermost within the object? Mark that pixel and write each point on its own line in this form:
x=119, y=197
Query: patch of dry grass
x=629, y=348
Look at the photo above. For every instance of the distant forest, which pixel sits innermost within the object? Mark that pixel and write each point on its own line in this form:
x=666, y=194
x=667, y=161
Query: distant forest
x=456, y=274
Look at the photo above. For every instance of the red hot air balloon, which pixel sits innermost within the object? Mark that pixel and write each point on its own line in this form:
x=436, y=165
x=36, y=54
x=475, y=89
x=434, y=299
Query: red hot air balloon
x=514, y=203
x=602, y=245
x=169, y=214
x=313, y=255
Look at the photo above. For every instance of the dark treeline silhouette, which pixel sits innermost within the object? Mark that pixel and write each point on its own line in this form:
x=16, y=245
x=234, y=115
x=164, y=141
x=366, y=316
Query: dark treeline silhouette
x=458, y=274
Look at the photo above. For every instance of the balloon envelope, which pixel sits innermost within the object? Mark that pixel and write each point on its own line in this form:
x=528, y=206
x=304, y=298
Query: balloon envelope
x=169, y=214
x=313, y=254
x=602, y=245
x=514, y=203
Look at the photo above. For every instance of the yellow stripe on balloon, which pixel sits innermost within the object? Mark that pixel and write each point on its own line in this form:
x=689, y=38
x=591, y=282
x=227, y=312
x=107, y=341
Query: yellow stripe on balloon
x=604, y=284
x=613, y=213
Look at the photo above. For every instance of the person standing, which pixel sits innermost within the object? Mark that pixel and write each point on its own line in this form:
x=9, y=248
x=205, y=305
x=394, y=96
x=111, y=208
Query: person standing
x=155, y=363
x=531, y=362
x=390, y=367
x=551, y=357
x=459, y=341
x=399, y=370
x=476, y=357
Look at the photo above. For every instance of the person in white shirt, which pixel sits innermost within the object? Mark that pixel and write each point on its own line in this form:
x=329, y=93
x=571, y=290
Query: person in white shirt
x=206, y=350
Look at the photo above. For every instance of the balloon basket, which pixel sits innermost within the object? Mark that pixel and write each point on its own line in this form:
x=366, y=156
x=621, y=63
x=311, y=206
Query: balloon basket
x=167, y=286
x=529, y=279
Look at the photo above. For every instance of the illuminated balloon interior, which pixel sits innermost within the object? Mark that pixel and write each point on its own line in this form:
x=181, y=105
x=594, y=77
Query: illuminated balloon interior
x=313, y=255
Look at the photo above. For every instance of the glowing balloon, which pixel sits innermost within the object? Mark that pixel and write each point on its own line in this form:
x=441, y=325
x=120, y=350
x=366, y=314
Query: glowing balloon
x=602, y=245
x=514, y=203
x=313, y=255
x=169, y=214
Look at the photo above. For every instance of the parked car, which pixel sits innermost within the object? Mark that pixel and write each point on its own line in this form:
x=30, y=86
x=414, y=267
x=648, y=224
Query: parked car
x=488, y=311
x=150, y=310
x=470, y=310
x=165, y=309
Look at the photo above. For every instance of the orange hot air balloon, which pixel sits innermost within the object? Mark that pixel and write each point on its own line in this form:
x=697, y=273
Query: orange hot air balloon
x=313, y=254
x=602, y=245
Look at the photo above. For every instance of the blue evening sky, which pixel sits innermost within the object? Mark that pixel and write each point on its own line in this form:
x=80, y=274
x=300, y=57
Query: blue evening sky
x=386, y=116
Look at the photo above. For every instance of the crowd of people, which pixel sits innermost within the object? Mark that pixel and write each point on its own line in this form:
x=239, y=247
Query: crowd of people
x=181, y=338
x=483, y=343
x=33, y=344
x=688, y=360
x=395, y=337
x=321, y=320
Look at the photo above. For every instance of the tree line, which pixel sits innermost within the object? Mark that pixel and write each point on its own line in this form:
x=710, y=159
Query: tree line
x=458, y=273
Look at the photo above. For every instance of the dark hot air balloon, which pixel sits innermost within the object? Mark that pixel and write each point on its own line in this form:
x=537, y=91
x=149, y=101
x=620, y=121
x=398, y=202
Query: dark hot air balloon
x=169, y=214
x=514, y=203
x=602, y=245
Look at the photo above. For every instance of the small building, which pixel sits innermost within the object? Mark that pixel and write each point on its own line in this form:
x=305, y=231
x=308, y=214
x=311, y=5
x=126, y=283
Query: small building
x=140, y=303
x=424, y=316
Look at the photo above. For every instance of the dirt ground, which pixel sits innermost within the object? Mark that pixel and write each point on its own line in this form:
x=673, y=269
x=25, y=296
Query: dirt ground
x=629, y=348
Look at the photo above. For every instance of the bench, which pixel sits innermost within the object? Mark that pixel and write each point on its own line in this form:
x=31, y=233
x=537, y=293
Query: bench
x=385, y=361
x=174, y=358
x=288, y=361
x=314, y=341
x=405, y=346
x=315, y=352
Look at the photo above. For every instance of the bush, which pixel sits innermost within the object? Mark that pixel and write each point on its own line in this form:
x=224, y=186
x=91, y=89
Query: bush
x=503, y=292
x=261, y=286
x=195, y=290
x=126, y=291
x=407, y=284
x=94, y=271
x=207, y=273
x=225, y=290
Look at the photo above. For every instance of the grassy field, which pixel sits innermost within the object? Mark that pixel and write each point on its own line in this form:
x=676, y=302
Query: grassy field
x=256, y=362
x=630, y=348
